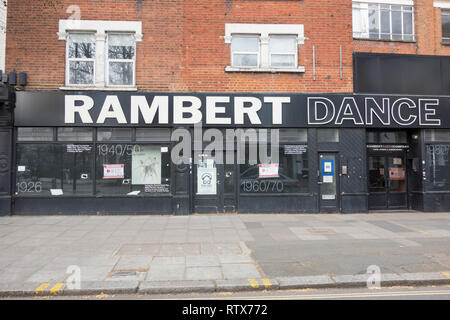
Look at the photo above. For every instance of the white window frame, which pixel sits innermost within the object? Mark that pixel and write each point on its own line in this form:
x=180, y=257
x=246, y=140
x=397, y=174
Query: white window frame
x=108, y=60
x=402, y=4
x=264, y=32
x=258, y=53
x=68, y=60
x=100, y=29
x=295, y=54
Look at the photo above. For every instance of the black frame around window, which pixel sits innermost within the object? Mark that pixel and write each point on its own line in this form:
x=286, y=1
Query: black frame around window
x=77, y=146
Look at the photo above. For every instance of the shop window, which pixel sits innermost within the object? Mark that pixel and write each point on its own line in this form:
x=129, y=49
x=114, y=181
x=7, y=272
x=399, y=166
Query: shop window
x=80, y=59
x=264, y=47
x=54, y=169
x=121, y=59
x=153, y=134
x=433, y=135
x=114, y=134
x=132, y=169
x=438, y=167
x=75, y=134
x=289, y=175
x=327, y=135
x=446, y=26
x=35, y=134
x=383, y=21
x=100, y=54
x=380, y=136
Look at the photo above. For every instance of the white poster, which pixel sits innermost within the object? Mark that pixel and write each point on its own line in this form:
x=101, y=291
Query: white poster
x=206, y=180
x=268, y=170
x=146, y=165
x=113, y=171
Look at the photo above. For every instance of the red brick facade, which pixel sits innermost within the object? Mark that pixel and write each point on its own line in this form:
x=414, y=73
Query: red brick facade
x=183, y=48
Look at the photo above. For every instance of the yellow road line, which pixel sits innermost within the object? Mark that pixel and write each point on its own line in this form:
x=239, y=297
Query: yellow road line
x=266, y=282
x=42, y=287
x=447, y=274
x=57, y=287
x=253, y=283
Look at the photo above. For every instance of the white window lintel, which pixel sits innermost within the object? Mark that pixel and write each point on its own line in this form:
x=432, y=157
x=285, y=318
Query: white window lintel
x=394, y=2
x=264, y=30
x=442, y=4
x=100, y=27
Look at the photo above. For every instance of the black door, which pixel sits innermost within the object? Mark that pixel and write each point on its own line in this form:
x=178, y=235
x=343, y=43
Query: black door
x=214, y=185
x=328, y=182
x=387, y=181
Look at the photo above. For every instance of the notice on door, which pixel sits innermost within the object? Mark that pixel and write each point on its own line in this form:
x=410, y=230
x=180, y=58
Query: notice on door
x=206, y=180
x=113, y=171
x=268, y=170
x=397, y=173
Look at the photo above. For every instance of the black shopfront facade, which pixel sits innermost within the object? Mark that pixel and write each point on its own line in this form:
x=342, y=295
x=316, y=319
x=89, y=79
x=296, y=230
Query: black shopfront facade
x=110, y=153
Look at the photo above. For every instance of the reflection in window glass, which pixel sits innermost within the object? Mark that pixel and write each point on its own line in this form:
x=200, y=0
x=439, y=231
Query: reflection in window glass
x=153, y=134
x=446, y=26
x=54, y=169
x=283, y=52
x=244, y=51
x=81, y=55
x=121, y=55
x=380, y=136
x=132, y=169
x=442, y=135
x=327, y=135
x=291, y=175
x=35, y=134
x=75, y=134
x=114, y=134
x=438, y=167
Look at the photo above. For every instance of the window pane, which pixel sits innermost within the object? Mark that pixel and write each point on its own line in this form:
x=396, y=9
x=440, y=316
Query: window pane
x=374, y=21
x=245, y=60
x=36, y=169
x=81, y=72
x=82, y=46
x=282, y=44
x=121, y=73
x=114, y=134
x=75, y=168
x=385, y=24
x=121, y=46
x=387, y=137
x=291, y=175
x=396, y=23
x=438, y=167
x=293, y=135
x=244, y=44
x=35, y=134
x=407, y=24
x=442, y=135
x=360, y=20
x=75, y=134
x=152, y=134
x=282, y=60
x=327, y=135
x=446, y=25
x=131, y=169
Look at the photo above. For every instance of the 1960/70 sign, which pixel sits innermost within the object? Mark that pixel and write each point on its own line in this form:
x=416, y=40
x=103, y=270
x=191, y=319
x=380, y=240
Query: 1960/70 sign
x=221, y=109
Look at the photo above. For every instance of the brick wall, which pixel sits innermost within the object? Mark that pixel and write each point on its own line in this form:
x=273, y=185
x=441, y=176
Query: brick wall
x=183, y=47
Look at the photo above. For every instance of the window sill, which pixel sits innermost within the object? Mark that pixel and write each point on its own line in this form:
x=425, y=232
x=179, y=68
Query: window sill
x=81, y=88
x=384, y=40
x=299, y=69
x=445, y=44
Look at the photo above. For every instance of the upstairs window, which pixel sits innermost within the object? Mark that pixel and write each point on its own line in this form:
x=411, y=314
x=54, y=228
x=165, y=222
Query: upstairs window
x=264, y=47
x=81, y=59
x=382, y=21
x=100, y=54
x=121, y=59
x=446, y=26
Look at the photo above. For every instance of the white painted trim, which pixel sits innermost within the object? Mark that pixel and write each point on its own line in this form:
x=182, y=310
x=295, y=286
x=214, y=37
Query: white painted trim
x=264, y=30
x=100, y=27
x=79, y=88
x=299, y=69
x=442, y=4
x=394, y=2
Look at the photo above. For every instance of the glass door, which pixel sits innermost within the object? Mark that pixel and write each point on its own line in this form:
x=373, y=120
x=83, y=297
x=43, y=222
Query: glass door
x=328, y=183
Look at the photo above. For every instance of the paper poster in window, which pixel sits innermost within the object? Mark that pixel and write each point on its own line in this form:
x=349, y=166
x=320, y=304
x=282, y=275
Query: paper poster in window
x=146, y=165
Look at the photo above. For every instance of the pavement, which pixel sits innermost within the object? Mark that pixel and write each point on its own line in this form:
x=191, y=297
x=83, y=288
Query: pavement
x=128, y=254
